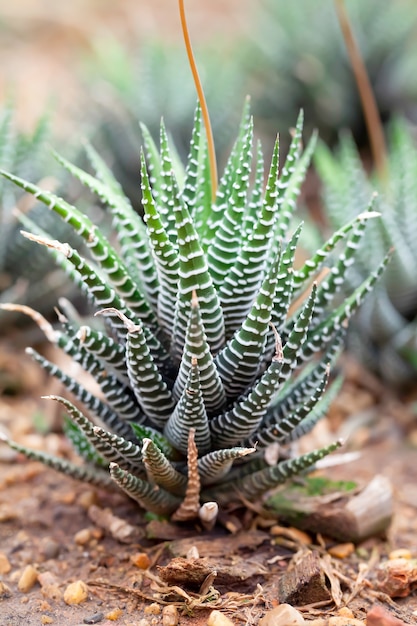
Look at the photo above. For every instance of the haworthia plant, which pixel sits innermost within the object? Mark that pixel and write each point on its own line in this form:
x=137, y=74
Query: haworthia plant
x=214, y=345
x=384, y=332
x=31, y=282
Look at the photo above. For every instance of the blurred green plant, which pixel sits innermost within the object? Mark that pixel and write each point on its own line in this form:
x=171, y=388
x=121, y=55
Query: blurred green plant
x=384, y=331
x=25, y=274
x=297, y=59
x=151, y=84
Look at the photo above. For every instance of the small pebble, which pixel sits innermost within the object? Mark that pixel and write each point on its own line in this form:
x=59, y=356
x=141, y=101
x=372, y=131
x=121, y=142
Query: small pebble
x=44, y=606
x=336, y=621
x=50, y=549
x=217, y=618
x=5, y=566
x=401, y=553
x=282, y=615
x=50, y=586
x=87, y=498
x=76, y=593
x=380, y=616
x=141, y=560
x=83, y=536
x=114, y=615
x=170, y=615
x=345, y=612
x=27, y=579
x=152, y=609
x=143, y=622
x=93, y=619
x=66, y=498
x=4, y=591
x=342, y=550
x=46, y=619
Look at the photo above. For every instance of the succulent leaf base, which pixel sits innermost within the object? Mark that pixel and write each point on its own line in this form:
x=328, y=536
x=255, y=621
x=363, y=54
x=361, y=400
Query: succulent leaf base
x=213, y=346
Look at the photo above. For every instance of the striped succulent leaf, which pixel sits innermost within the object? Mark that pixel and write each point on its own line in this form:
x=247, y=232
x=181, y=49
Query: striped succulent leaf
x=213, y=345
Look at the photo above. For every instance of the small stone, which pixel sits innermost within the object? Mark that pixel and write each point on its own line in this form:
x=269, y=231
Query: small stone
x=44, y=605
x=380, y=616
x=66, y=497
x=170, y=615
x=345, y=621
x=143, y=622
x=52, y=592
x=114, y=615
x=282, y=615
x=82, y=537
x=152, y=609
x=336, y=621
x=141, y=560
x=46, y=619
x=345, y=612
x=4, y=591
x=49, y=586
x=50, y=549
x=7, y=513
x=76, y=593
x=5, y=566
x=93, y=619
x=401, y=553
x=342, y=550
x=217, y=618
x=87, y=498
x=28, y=579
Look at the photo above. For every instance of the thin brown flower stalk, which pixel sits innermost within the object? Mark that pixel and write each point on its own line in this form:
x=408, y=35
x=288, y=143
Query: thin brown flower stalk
x=201, y=99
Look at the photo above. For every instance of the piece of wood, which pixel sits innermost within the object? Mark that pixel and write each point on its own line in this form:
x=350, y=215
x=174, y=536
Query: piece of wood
x=304, y=582
x=345, y=515
x=191, y=573
x=214, y=547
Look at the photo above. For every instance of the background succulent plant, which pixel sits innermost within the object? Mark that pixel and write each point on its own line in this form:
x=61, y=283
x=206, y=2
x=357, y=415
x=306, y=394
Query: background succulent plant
x=384, y=332
x=216, y=346
x=25, y=273
x=298, y=59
